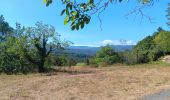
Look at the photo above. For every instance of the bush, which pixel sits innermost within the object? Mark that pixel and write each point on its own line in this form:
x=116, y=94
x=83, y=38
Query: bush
x=129, y=57
x=71, y=62
x=106, y=56
x=92, y=62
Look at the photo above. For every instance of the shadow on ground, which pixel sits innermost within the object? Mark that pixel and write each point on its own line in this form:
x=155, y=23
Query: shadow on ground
x=71, y=72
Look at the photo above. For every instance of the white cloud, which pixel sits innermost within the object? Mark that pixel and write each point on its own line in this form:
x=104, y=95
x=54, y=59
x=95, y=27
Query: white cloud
x=89, y=45
x=117, y=42
x=106, y=42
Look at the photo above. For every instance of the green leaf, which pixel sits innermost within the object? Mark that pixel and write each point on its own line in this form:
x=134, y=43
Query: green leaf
x=87, y=20
x=63, y=12
x=82, y=25
x=66, y=20
x=73, y=27
x=44, y=1
x=48, y=2
x=74, y=12
x=67, y=12
x=77, y=26
x=72, y=23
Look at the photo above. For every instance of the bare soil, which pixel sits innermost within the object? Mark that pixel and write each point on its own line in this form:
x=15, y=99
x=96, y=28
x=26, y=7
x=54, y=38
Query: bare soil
x=166, y=59
x=117, y=82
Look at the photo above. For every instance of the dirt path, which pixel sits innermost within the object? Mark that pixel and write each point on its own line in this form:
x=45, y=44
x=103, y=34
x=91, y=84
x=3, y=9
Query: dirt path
x=166, y=59
x=162, y=95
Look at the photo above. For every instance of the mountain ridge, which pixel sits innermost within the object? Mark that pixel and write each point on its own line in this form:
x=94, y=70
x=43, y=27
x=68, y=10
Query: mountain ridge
x=88, y=50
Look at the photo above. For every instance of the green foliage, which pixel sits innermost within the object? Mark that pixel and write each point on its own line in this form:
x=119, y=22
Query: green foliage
x=61, y=61
x=48, y=2
x=129, y=57
x=24, y=50
x=78, y=13
x=106, y=56
x=12, y=52
x=153, y=47
x=43, y=40
x=75, y=14
x=144, y=48
x=92, y=62
x=71, y=62
x=162, y=41
x=5, y=29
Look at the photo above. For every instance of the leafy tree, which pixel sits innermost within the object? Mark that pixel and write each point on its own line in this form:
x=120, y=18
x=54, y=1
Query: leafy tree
x=143, y=49
x=78, y=13
x=61, y=61
x=23, y=48
x=5, y=29
x=153, y=47
x=162, y=41
x=5, y=33
x=107, y=56
x=13, y=52
x=19, y=47
x=43, y=40
x=129, y=57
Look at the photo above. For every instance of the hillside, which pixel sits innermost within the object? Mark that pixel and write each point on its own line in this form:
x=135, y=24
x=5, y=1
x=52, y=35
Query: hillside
x=92, y=50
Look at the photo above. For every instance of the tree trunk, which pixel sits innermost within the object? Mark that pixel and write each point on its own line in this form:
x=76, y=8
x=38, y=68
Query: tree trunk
x=41, y=66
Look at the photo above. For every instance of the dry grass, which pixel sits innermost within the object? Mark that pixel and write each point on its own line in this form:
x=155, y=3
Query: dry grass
x=110, y=83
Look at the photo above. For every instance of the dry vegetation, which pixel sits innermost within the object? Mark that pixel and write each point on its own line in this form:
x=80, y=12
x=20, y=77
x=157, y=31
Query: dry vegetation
x=112, y=83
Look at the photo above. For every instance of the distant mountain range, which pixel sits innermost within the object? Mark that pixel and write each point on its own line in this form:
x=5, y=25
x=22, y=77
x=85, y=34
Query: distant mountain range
x=92, y=50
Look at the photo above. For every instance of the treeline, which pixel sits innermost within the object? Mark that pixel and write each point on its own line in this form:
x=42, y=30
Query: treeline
x=40, y=49
x=31, y=49
x=151, y=48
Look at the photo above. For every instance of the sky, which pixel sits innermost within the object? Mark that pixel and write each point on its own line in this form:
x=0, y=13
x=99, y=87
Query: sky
x=117, y=27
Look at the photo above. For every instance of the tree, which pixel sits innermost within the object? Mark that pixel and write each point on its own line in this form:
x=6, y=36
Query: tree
x=168, y=15
x=5, y=34
x=5, y=29
x=78, y=13
x=129, y=57
x=151, y=48
x=19, y=47
x=107, y=56
x=22, y=49
x=13, y=52
x=143, y=49
x=162, y=41
x=43, y=40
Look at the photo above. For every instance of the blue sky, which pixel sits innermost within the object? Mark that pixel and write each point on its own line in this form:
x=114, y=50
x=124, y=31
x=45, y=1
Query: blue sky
x=115, y=25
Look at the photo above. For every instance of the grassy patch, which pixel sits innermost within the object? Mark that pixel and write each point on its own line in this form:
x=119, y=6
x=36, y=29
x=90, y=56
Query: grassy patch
x=81, y=64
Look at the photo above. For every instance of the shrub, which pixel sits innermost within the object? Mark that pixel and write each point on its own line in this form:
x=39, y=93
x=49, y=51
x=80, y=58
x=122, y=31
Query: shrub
x=129, y=57
x=106, y=56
